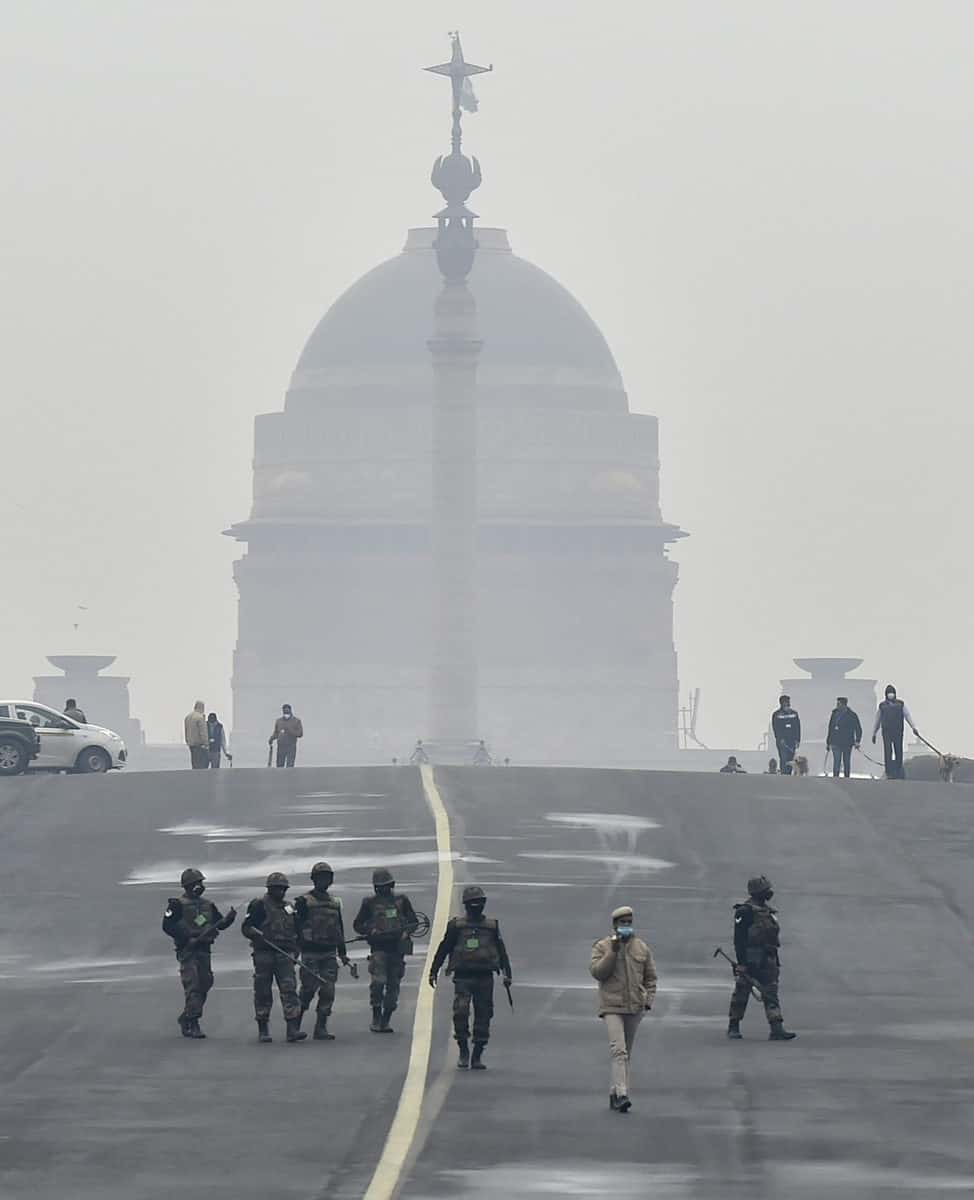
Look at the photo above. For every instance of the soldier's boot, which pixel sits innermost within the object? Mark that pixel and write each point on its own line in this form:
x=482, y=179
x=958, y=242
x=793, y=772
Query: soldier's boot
x=321, y=1033
x=734, y=1030
x=384, y=1026
x=623, y=1104
x=376, y=1018
x=194, y=1030
x=263, y=1033
x=780, y=1034
x=294, y=1031
x=183, y=1024
x=464, y=1060
x=477, y=1063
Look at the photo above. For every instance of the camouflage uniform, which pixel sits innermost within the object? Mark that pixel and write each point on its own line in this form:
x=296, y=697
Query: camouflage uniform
x=756, y=942
x=321, y=935
x=192, y=923
x=274, y=919
x=386, y=920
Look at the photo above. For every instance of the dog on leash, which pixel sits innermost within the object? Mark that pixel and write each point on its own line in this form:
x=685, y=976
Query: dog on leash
x=799, y=765
x=947, y=766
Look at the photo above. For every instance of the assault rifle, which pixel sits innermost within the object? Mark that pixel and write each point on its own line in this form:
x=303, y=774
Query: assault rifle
x=739, y=973
x=210, y=934
x=421, y=930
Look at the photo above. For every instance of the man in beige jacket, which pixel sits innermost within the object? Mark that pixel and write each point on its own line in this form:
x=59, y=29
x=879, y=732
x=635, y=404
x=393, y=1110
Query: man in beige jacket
x=197, y=737
x=626, y=973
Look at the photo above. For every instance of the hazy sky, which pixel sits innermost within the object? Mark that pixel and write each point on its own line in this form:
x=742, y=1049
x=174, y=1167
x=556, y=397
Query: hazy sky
x=767, y=207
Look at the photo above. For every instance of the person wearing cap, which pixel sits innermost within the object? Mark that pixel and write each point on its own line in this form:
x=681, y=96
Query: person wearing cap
x=194, y=924
x=756, y=941
x=271, y=929
x=321, y=938
x=386, y=920
x=787, y=729
x=476, y=953
x=623, y=966
x=844, y=732
x=890, y=717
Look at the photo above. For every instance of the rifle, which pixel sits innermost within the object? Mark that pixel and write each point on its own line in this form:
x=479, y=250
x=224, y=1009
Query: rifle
x=210, y=934
x=421, y=930
x=353, y=967
x=507, y=988
x=755, y=987
x=270, y=754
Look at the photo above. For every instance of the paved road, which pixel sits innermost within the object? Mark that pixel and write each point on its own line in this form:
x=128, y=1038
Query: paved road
x=876, y=899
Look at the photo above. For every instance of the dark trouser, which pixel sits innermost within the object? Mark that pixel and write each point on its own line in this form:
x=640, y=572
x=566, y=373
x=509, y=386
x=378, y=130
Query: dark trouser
x=893, y=754
x=199, y=757
x=786, y=756
x=196, y=976
x=325, y=964
x=478, y=988
x=214, y=757
x=842, y=757
x=766, y=977
x=286, y=750
x=268, y=967
x=386, y=969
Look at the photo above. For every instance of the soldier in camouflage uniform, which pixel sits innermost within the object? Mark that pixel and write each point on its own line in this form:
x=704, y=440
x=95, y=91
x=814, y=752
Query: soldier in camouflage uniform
x=270, y=917
x=193, y=924
x=756, y=941
x=321, y=937
x=387, y=921
x=476, y=952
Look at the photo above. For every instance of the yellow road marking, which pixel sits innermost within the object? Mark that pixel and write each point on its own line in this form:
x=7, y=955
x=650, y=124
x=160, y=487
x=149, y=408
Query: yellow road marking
x=387, y=1177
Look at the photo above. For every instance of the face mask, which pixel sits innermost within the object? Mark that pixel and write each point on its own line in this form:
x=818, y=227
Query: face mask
x=199, y=889
x=475, y=910
x=624, y=931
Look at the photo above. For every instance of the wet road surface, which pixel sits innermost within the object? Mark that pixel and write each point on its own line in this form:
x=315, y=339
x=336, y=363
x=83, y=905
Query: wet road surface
x=875, y=896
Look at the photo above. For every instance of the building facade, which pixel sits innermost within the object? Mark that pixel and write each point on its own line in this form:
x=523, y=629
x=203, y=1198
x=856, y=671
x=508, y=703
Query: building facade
x=574, y=589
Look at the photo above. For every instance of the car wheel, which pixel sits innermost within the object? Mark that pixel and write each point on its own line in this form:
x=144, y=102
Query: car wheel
x=13, y=756
x=93, y=761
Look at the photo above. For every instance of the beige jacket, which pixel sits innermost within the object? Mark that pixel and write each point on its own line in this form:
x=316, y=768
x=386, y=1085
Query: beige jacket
x=626, y=977
x=195, y=729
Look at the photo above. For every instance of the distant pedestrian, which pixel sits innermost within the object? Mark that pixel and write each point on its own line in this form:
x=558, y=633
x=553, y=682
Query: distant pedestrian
x=845, y=731
x=419, y=757
x=732, y=767
x=787, y=729
x=481, y=756
x=889, y=718
x=772, y=767
x=72, y=710
x=626, y=973
x=287, y=730
x=197, y=737
x=217, y=735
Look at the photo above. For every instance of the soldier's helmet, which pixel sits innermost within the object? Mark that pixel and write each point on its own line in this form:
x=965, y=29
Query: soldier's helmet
x=758, y=885
x=277, y=879
x=382, y=877
x=473, y=893
x=191, y=876
x=322, y=868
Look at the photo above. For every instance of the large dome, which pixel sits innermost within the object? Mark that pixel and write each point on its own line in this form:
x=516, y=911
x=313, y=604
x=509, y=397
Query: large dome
x=534, y=331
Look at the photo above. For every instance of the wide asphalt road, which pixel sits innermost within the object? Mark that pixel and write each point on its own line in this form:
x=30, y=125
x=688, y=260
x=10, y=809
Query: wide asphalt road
x=102, y=1098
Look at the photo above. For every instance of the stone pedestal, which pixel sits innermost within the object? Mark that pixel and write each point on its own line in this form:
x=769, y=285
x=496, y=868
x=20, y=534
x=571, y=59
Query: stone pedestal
x=104, y=699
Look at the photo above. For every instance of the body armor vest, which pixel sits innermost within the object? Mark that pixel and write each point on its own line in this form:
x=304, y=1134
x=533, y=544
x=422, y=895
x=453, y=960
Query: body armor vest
x=197, y=915
x=278, y=925
x=763, y=933
x=387, y=918
x=322, y=925
x=476, y=946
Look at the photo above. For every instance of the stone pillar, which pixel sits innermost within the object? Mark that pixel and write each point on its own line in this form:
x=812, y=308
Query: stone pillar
x=453, y=720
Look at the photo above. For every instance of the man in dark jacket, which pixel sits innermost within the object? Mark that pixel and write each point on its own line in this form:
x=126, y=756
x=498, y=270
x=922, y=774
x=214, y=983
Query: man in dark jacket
x=386, y=920
x=72, y=710
x=787, y=730
x=476, y=951
x=845, y=731
x=890, y=717
x=756, y=941
x=193, y=924
x=287, y=729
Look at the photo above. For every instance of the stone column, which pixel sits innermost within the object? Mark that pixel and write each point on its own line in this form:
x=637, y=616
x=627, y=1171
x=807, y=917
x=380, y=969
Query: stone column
x=455, y=347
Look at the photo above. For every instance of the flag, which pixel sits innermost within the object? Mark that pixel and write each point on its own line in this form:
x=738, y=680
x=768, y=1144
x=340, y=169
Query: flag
x=468, y=100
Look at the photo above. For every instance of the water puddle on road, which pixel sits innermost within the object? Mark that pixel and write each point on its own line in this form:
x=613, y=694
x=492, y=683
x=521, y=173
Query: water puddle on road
x=621, y=1180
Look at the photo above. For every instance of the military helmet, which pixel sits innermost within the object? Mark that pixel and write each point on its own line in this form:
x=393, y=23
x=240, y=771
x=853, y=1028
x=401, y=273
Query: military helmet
x=758, y=884
x=382, y=877
x=191, y=876
x=473, y=893
x=277, y=879
x=322, y=868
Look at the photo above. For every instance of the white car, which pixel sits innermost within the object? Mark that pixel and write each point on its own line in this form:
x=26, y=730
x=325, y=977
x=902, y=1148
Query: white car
x=67, y=745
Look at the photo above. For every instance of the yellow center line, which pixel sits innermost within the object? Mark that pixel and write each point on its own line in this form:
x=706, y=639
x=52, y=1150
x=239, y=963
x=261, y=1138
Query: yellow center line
x=388, y=1172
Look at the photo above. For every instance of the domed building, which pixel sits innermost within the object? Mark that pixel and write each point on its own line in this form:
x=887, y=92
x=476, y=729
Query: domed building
x=571, y=641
